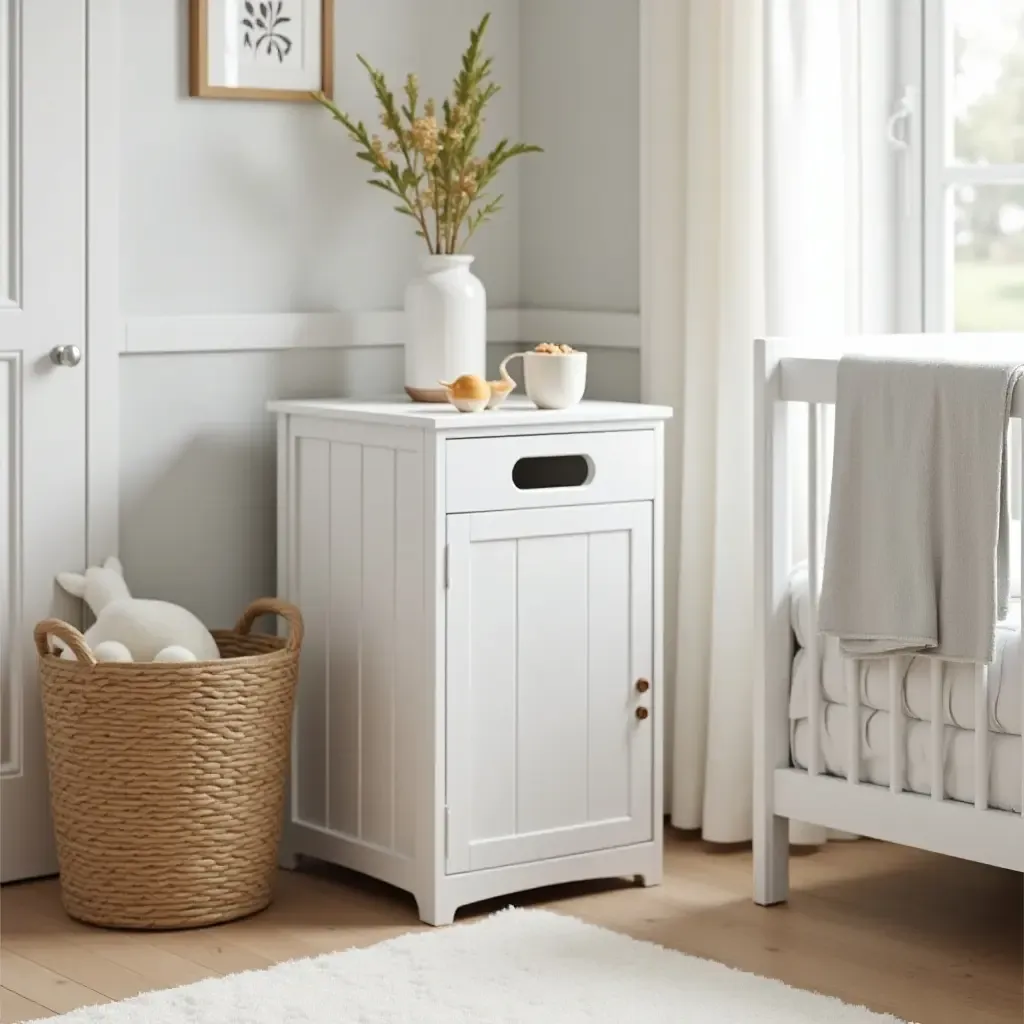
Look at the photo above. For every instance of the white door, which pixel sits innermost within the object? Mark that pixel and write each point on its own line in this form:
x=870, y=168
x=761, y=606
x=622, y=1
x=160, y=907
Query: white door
x=549, y=653
x=42, y=405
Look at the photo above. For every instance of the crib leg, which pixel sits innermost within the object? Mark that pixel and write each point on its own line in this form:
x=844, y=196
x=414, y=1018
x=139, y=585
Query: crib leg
x=773, y=634
x=771, y=860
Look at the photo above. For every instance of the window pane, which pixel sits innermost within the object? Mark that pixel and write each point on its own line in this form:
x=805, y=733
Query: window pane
x=988, y=91
x=989, y=239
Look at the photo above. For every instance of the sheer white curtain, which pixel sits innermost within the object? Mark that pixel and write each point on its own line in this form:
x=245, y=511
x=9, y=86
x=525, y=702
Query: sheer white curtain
x=766, y=245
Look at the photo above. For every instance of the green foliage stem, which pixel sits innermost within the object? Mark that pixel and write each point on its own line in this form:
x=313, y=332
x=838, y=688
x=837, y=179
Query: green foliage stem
x=438, y=170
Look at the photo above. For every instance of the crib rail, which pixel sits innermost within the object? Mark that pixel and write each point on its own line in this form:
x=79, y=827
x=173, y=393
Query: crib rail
x=817, y=794
x=812, y=379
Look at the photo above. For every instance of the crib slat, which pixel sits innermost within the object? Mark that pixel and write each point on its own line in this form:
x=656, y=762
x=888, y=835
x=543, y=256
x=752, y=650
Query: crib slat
x=896, y=727
x=813, y=564
x=938, y=728
x=853, y=707
x=981, y=737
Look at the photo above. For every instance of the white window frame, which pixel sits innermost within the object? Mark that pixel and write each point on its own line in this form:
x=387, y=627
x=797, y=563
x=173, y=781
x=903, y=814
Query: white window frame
x=927, y=169
x=906, y=135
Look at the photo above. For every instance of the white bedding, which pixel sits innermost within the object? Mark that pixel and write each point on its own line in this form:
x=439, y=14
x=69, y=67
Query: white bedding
x=1004, y=754
x=1005, y=699
x=1006, y=688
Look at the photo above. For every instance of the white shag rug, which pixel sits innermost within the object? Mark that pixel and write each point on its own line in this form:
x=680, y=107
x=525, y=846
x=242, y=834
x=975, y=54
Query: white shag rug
x=517, y=966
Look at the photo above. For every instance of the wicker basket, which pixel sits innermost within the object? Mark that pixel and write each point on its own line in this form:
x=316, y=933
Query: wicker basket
x=167, y=780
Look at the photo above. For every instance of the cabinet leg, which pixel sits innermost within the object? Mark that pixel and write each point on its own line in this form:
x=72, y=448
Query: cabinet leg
x=287, y=858
x=648, y=878
x=435, y=911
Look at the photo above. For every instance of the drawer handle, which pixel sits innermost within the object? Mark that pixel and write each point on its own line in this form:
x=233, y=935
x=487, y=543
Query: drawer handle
x=539, y=472
x=642, y=713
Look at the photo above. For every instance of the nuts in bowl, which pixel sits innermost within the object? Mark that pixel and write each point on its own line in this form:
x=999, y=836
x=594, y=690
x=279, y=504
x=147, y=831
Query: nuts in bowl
x=555, y=375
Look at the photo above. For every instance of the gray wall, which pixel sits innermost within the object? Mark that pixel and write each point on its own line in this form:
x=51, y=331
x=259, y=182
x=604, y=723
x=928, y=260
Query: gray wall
x=580, y=245
x=198, y=484
x=232, y=207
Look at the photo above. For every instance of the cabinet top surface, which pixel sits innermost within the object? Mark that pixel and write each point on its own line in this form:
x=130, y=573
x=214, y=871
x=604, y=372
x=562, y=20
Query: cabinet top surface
x=516, y=412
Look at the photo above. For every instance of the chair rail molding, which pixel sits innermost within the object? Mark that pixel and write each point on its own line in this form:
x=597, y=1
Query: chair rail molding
x=173, y=335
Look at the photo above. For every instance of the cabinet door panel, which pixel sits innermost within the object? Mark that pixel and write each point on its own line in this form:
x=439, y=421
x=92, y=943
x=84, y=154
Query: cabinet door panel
x=609, y=648
x=493, y=733
x=549, y=627
x=551, y=678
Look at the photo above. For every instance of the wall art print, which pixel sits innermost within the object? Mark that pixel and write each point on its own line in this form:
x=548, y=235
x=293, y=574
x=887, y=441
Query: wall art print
x=261, y=49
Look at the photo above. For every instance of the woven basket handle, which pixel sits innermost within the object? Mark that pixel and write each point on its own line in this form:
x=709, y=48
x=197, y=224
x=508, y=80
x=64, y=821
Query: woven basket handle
x=272, y=606
x=68, y=634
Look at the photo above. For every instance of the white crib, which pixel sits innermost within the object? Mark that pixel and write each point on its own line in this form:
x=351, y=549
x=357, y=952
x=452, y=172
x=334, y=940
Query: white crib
x=788, y=372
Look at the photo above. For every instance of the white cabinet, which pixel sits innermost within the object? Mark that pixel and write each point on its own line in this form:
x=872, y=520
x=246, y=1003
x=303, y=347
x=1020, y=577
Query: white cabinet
x=480, y=703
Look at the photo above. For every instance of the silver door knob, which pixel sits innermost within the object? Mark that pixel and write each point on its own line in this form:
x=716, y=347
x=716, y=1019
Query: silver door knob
x=65, y=355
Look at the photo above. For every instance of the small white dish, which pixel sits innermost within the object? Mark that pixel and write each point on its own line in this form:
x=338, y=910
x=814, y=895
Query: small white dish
x=500, y=390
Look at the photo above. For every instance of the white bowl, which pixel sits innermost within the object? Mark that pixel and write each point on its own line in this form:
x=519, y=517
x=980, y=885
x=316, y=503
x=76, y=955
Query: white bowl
x=555, y=380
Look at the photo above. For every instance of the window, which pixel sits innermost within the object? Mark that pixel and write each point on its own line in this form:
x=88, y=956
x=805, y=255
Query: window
x=960, y=127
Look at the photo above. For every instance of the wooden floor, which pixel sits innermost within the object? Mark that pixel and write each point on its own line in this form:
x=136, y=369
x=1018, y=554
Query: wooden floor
x=929, y=939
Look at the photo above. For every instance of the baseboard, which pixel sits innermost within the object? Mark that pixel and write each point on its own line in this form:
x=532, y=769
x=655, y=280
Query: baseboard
x=172, y=335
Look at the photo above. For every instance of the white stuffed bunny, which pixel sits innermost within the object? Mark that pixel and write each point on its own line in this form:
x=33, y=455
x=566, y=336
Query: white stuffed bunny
x=131, y=629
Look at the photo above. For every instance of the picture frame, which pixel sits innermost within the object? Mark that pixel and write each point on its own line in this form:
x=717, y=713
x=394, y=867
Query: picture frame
x=261, y=49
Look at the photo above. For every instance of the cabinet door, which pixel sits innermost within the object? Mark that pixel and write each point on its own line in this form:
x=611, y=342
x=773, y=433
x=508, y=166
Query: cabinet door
x=549, y=630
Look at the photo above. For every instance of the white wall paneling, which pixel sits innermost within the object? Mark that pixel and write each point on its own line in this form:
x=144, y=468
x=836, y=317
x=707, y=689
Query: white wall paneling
x=10, y=567
x=580, y=328
x=10, y=160
x=195, y=450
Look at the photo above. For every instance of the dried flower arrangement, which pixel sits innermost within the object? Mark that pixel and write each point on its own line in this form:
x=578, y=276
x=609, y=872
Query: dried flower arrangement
x=437, y=177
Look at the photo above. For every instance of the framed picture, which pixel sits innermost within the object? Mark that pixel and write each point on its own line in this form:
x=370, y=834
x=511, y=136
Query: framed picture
x=261, y=49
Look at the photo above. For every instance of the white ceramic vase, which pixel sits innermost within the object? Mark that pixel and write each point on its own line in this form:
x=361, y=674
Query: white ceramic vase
x=445, y=326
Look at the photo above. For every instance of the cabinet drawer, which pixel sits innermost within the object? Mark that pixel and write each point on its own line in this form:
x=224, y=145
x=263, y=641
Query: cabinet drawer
x=493, y=473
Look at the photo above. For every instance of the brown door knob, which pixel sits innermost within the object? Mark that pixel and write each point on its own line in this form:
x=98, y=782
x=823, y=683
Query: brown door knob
x=642, y=713
x=643, y=685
